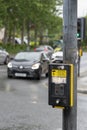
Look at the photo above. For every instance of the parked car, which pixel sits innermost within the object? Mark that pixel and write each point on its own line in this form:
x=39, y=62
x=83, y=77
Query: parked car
x=45, y=48
x=4, y=56
x=28, y=64
x=57, y=43
x=17, y=40
x=57, y=57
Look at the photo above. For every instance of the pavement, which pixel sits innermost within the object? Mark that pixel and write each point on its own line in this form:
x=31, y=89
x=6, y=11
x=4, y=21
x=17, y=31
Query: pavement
x=82, y=83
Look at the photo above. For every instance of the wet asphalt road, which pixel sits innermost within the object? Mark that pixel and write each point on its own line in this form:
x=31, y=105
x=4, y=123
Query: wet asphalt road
x=24, y=105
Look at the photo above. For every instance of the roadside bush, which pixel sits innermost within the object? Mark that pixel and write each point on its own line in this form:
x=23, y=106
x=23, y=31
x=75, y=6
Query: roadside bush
x=13, y=48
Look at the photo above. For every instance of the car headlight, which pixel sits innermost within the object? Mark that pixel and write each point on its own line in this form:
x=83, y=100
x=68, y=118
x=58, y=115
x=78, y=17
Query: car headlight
x=35, y=66
x=9, y=65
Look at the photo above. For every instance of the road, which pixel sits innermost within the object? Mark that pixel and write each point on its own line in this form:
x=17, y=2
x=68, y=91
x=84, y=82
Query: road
x=24, y=105
x=83, y=63
x=82, y=80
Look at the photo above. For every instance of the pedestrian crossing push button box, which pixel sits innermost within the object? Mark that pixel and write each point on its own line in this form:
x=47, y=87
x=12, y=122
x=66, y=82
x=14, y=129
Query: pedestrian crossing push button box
x=60, y=85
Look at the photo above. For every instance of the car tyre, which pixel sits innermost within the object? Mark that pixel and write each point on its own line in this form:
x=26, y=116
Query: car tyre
x=6, y=60
x=39, y=75
x=46, y=75
x=9, y=76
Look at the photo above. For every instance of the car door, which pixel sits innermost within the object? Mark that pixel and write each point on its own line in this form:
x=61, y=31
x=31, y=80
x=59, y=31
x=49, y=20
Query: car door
x=50, y=51
x=45, y=62
x=2, y=56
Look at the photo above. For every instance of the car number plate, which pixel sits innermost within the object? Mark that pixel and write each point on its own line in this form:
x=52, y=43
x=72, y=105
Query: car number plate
x=20, y=74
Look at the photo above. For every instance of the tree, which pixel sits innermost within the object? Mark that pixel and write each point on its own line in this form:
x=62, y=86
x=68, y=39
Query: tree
x=20, y=15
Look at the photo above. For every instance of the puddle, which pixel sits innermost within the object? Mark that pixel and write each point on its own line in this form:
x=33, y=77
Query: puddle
x=5, y=86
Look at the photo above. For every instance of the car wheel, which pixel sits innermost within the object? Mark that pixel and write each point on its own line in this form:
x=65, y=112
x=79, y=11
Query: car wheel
x=9, y=76
x=46, y=75
x=39, y=75
x=6, y=60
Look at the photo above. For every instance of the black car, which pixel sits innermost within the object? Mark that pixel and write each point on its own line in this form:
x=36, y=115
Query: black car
x=28, y=64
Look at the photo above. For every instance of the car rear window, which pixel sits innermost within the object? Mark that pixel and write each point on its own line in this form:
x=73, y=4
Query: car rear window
x=39, y=49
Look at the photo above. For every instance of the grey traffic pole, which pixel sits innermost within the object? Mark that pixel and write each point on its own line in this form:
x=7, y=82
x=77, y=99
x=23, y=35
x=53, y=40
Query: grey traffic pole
x=70, y=56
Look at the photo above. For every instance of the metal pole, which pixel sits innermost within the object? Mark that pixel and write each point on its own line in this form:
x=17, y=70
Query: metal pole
x=79, y=66
x=70, y=56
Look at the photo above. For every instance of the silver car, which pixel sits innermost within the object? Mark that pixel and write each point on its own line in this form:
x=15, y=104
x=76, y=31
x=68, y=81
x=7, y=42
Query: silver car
x=45, y=48
x=4, y=56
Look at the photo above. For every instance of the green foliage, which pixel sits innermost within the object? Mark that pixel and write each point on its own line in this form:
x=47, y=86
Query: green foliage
x=13, y=49
x=19, y=14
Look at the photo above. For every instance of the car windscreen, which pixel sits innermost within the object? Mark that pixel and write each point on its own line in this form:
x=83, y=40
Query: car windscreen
x=27, y=56
x=58, y=44
x=61, y=49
